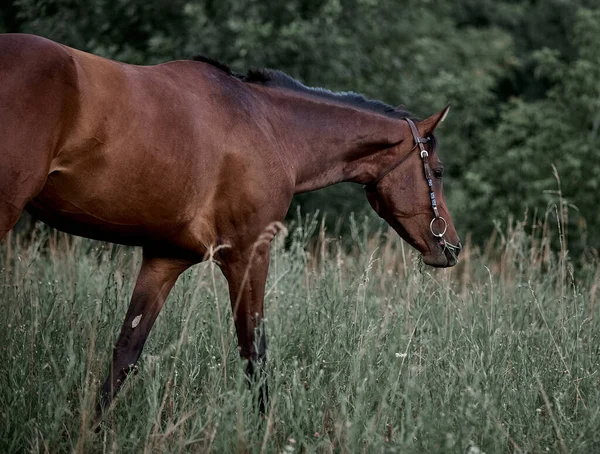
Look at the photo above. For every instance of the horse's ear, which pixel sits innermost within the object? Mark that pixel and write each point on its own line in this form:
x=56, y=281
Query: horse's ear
x=427, y=126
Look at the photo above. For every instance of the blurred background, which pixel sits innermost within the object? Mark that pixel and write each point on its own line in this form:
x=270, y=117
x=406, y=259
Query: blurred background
x=523, y=76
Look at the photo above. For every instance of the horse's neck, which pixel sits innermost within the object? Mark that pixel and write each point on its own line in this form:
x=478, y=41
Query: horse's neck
x=328, y=143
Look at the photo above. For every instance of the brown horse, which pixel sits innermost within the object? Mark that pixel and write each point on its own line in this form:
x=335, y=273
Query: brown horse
x=186, y=157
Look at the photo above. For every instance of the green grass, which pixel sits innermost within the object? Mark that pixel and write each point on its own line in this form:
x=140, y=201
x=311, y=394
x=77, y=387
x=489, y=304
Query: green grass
x=367, y=352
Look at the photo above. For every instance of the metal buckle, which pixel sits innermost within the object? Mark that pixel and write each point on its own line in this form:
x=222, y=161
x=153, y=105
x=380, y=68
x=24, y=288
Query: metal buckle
x=438, y=235
x=424, y=154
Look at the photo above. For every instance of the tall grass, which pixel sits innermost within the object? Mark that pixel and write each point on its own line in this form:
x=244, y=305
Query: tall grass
x=368, y=351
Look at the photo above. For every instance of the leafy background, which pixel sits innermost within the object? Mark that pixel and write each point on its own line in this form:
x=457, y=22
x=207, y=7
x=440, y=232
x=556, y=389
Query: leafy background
x=523, y=78
x=498, y=354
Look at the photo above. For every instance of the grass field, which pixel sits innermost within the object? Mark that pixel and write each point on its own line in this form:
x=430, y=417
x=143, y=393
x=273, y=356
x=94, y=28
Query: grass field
x=368, y=352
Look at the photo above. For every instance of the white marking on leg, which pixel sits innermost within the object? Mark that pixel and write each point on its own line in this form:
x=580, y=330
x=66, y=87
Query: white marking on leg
x=136, y=321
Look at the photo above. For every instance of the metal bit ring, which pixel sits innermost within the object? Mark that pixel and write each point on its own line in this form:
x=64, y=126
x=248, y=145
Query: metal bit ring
x=438, y=235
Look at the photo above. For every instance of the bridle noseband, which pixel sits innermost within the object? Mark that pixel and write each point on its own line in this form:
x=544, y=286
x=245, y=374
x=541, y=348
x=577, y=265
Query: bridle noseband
x=419, y=141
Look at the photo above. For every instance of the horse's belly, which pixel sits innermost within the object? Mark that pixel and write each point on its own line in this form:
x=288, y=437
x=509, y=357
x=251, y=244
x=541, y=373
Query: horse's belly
x=63, y=216
x=74, y=206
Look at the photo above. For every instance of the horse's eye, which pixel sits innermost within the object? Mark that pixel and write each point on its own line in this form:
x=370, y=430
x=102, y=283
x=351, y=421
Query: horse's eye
x=438, y=173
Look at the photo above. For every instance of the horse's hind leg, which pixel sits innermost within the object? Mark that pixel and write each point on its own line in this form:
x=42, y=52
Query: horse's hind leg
x=9, y=215
x=155, y=281
x=25, y=151
x=19, y=183
x=37, y=104
x=26, y=144
x=24, y=164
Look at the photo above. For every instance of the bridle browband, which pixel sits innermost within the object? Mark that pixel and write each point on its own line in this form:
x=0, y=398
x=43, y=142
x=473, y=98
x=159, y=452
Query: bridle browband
x=419, y=141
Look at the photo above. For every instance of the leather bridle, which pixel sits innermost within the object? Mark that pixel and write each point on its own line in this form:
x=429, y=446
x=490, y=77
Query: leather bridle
x=419, y=141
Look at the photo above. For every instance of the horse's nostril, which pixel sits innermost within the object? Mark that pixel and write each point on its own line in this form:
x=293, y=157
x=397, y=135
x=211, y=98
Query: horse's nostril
x=459, y=248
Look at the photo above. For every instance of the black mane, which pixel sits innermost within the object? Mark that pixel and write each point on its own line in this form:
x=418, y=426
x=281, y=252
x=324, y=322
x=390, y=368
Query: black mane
x=276, y=78
x=217, y=64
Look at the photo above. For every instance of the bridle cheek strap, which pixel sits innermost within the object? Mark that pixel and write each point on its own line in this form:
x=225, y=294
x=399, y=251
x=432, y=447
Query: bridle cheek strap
x=419, y=141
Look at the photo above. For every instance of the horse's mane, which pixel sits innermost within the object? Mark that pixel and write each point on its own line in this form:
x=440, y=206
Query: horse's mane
x=276, y=78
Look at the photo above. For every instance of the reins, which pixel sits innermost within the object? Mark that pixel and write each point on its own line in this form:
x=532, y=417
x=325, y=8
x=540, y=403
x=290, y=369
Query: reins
x=419, y=141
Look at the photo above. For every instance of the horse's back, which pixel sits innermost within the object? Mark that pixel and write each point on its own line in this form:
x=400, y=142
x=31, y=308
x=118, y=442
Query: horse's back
x=125, y=153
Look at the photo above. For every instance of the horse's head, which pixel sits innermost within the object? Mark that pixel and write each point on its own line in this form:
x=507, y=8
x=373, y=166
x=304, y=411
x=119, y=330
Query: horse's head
x=408, y=194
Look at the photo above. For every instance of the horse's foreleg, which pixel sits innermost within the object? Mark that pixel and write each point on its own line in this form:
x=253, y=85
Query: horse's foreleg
x=155, y=281
x=247, y=275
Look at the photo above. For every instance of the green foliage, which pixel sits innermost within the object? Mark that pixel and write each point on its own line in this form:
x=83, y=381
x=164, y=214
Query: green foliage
x=141, y=32
x=522, y=78
x=560, y=130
